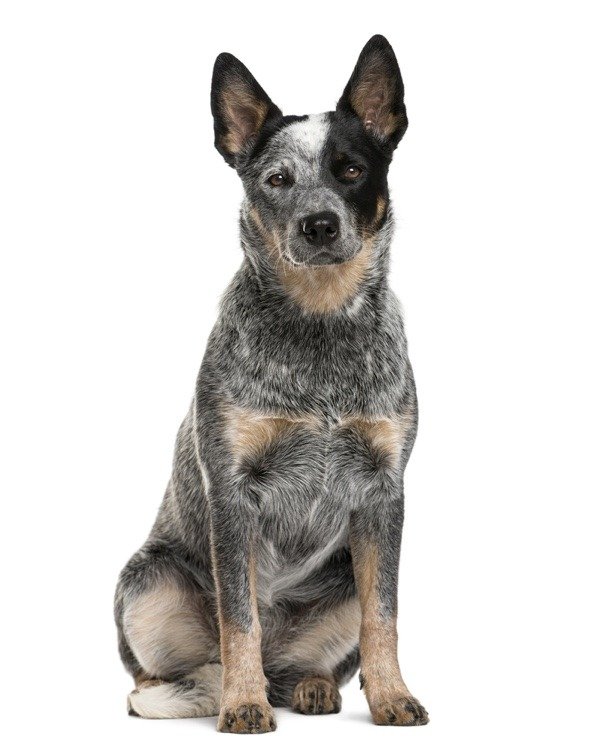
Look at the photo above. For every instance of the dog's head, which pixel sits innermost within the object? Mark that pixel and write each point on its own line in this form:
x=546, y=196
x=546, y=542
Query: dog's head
x=317, y=185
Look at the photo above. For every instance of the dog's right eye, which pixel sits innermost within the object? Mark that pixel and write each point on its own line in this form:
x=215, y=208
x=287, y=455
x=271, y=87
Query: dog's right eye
x=276, y=180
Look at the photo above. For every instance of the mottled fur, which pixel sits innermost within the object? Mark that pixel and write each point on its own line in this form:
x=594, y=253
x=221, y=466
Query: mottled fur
x=274, y=556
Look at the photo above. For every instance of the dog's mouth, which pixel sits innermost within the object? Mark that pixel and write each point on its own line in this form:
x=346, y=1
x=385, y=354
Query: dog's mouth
x=301, y=254
x=327, y=258
x=316, y=259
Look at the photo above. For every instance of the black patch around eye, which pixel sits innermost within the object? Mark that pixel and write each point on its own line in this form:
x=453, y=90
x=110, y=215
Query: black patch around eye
x=343, y=171
x=349, y=144
x=353, y=172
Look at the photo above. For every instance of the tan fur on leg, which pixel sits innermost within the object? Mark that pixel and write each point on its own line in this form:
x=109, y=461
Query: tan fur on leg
x=389, y=700
x=244, y=704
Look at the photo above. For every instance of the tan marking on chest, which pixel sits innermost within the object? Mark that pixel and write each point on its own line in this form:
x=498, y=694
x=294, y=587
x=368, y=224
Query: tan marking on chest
x=386, y=436
x=251, y=432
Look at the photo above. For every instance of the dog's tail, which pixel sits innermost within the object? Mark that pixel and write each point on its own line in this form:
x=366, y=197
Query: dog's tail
x=196, y=696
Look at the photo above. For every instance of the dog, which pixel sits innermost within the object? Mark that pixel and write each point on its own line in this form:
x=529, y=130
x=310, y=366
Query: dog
x=270, y=574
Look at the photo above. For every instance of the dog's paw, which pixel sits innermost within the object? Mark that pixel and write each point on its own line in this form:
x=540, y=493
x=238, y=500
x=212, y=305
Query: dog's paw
x=247, y=718
x=316, y=696
x=403, y=710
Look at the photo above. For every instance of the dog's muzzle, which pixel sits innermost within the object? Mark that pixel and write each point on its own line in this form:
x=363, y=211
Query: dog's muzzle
x=318, y=235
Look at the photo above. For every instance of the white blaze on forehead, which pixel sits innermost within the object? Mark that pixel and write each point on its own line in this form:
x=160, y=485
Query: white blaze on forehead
x=305, y=137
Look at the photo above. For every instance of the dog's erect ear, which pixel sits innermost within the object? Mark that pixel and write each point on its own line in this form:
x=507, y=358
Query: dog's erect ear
x=375, y=92
x=239, y=105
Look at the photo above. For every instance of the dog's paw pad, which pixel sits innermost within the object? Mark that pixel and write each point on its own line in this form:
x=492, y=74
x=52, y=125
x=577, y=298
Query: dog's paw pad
x=247, y=718
x=400, y=711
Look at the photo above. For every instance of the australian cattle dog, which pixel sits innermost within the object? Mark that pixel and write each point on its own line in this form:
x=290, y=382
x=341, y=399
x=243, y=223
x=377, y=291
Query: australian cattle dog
x=271, y=572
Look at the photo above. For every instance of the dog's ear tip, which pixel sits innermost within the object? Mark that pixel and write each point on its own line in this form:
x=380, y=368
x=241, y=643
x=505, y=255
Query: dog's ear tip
x=225, y=57
x=378, y=41
x=224, y=61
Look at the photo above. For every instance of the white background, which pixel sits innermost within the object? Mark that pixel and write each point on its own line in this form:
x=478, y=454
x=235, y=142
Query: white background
x=118, y=231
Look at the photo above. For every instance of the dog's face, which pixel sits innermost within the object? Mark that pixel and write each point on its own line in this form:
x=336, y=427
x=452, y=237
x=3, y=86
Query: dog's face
x=317, y=185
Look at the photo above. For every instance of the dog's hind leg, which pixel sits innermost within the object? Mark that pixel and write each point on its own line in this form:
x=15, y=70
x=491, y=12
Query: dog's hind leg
x=307, y=661
x=167, y=640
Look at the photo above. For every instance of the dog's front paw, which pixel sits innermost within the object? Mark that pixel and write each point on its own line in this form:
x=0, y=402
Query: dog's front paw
x=247, y=718
x=316, y=696
x=403, y=710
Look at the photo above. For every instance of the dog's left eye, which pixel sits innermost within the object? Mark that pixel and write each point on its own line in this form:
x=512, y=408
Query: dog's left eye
x=276, y=180
x=352, y=172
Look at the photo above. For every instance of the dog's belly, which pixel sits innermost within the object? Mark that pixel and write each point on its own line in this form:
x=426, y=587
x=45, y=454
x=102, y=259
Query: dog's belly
x=303, y=521
x=299, y=578
x=305, y=494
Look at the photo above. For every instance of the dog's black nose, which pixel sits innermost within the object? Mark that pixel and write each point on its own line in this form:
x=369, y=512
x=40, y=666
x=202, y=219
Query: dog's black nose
x=320, y=229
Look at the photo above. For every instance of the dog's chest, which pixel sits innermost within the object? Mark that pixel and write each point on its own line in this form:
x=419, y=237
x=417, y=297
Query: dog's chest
x=313, y=426
x=344, y=369
x=307, y=473
x=304, y=509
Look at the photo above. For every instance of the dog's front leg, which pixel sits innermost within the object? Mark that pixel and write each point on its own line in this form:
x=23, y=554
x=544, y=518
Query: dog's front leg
x=375, y=535
x=244, y=704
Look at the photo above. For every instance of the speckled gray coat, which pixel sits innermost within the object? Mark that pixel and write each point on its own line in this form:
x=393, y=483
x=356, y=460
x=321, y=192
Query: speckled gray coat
x=285, y=504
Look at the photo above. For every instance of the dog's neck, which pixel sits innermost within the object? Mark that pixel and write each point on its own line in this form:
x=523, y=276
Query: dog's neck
x=324, y=289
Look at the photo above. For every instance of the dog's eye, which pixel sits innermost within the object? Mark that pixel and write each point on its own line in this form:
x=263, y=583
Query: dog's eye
x=276, y=180
x=352, y=172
